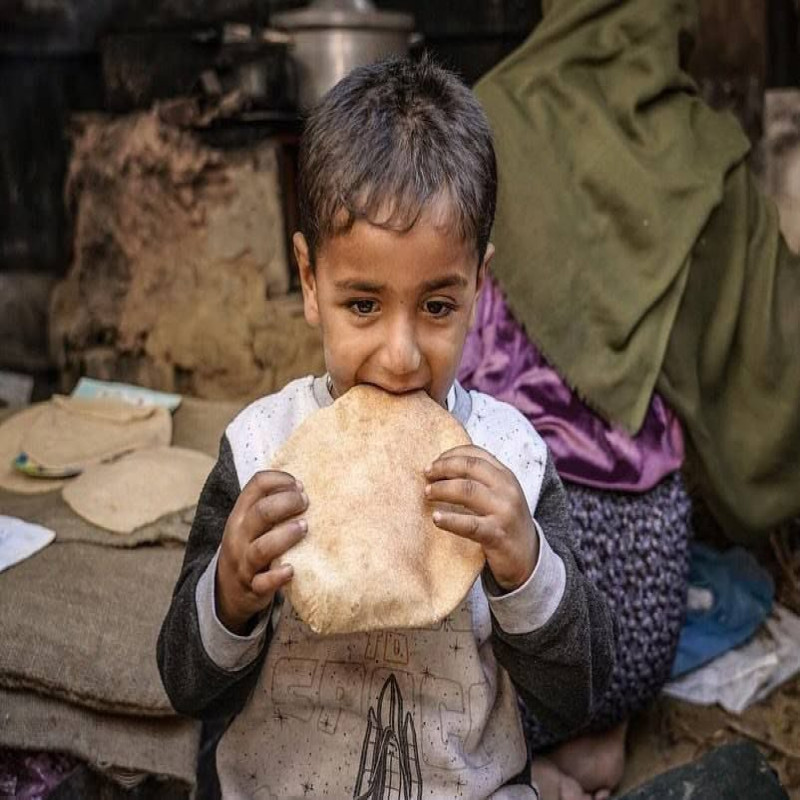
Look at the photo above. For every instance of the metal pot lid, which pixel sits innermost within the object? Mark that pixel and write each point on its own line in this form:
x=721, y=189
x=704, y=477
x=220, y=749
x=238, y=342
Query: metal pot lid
x=343, y=14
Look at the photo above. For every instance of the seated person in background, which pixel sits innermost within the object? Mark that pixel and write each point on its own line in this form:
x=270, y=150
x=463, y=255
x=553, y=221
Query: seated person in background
x=645, y=299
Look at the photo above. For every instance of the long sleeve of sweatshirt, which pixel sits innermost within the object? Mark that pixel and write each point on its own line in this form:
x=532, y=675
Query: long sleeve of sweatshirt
x=197, y=685
x=560, y=666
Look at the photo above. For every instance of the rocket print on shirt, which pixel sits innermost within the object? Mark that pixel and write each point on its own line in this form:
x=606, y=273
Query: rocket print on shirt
x=389, y=768
x=386, y=715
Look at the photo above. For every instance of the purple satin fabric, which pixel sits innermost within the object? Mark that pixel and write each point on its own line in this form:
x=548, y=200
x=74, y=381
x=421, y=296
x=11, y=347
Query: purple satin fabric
x=501, y=361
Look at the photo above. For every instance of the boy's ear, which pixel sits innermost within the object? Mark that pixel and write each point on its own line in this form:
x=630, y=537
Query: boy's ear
x=308, y=281
x=483, y=269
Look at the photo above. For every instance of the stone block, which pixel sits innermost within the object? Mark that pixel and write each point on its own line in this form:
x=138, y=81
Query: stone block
x=732, y=772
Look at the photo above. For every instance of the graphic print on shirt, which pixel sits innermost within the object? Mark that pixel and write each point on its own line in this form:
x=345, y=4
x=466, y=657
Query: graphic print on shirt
x=389, y=768
x=315, y=721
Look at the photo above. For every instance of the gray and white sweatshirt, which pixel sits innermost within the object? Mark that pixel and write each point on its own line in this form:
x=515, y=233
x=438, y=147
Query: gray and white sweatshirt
x=412, y=713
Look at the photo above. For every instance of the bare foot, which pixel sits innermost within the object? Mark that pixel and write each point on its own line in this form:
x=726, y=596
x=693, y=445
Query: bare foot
x=553, y=784
x=595, y=761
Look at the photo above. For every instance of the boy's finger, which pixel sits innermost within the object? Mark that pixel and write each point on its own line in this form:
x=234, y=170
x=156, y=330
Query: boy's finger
x=469, y=526
x=263, y=550
x=268, y=511
x=267, y=583
x=472, y=450
x=463, y=465
x=264, y=483
x=466, y=492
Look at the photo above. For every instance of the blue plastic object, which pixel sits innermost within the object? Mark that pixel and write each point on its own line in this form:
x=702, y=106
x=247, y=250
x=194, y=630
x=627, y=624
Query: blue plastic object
x=742, y=593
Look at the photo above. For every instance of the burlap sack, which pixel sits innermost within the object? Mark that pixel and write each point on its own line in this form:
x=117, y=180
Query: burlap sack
x=372, y=557
x=80, y=623
x=199, y=424
x=109, y=742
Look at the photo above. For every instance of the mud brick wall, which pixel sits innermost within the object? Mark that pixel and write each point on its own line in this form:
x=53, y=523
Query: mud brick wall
x=179, y=279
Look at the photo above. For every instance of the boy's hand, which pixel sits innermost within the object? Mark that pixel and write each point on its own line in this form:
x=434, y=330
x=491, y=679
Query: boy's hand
x=495, y=512
x=258, y=530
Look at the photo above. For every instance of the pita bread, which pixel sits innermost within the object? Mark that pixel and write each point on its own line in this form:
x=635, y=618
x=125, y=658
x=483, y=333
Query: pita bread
x=372, y=557
x=139, y=488
x=12, y=432
x=72, y=433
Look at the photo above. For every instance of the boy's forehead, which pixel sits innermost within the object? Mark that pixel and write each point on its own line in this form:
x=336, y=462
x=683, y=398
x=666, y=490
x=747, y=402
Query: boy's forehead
x=437, y=224
x=400, y=214
x=429, y=245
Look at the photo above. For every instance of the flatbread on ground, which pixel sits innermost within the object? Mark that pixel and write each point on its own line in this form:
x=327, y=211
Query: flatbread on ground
x=12, y=432
x=139, y=488
x=76, y=432
x=372, y=557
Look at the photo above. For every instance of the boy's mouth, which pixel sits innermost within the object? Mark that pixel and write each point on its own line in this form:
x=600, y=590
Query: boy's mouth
x=399, y=391
x=395, y=390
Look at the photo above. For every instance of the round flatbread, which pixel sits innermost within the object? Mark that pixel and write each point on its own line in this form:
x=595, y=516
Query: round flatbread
x=12, y=432
x=139, y=488
x=75, y=432
x=372, y=557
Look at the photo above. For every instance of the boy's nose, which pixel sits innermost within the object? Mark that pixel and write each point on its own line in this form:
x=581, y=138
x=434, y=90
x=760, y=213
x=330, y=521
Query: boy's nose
x=401, y=356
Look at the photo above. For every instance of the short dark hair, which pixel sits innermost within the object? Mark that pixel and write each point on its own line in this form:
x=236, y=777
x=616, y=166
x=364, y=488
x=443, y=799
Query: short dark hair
x=387, y=140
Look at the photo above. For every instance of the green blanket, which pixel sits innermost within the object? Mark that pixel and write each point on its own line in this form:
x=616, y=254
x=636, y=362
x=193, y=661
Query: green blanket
x=732, y=366
x=626, y=232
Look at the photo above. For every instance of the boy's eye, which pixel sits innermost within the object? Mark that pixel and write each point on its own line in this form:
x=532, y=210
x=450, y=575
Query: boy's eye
x=363, y=307
x=438, y=308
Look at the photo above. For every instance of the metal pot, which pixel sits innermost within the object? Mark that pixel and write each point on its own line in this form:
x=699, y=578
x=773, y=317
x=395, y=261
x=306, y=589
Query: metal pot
x=256, y=63
x=330, y=37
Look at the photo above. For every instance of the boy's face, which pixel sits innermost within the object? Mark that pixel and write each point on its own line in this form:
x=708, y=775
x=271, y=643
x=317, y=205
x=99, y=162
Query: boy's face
x=394, y=308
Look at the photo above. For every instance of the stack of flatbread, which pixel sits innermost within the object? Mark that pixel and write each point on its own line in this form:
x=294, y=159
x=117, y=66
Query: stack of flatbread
x=128, y=475
x=64, y=436
x=71, y=433
x=372, y=557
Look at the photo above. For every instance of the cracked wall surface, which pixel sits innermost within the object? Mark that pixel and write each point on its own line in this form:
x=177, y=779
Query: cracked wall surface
x=179, y=278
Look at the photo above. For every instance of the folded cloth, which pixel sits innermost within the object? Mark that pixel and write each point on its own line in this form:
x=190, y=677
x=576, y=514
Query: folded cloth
x=501, y=361
x=80, y=623
x=739, y=595
x=111, y=743
x=609, y=166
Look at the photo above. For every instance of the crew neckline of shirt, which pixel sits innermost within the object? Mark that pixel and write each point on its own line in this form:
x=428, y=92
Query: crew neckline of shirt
x=459, y=403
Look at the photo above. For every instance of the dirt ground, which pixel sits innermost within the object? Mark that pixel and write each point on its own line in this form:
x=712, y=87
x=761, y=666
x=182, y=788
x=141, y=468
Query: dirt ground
x=672, y=732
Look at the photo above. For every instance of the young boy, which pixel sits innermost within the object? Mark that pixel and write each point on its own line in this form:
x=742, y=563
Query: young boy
x=398, y=183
